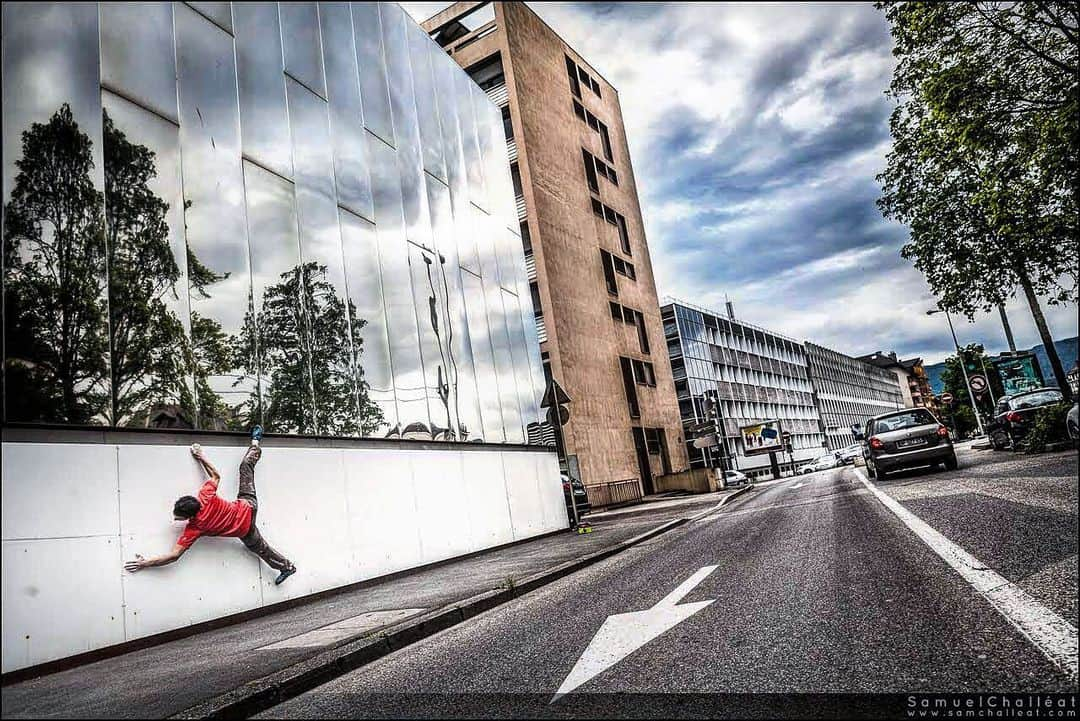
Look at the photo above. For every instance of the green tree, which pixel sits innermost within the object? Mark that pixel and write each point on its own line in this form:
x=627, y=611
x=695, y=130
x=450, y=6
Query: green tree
x=56, y=323
x=975, y=361
x=984, y=166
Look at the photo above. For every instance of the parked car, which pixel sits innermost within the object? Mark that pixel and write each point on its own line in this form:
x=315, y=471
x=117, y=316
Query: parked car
x=821, y=463
x=581, y=496
x=735, y=478
x=905, y=439
x=850, y=453
x=1072, y=423
x=1014, y=414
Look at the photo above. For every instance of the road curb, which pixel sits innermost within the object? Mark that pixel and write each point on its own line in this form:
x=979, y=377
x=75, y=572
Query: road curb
x=262, y=693
x=736, y=494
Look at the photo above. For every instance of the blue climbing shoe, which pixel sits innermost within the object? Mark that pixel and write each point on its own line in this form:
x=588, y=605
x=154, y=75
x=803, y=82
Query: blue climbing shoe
x=257, y=433
x=283, y=575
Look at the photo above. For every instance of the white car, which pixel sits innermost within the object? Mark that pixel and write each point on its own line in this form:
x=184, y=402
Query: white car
x=734, y=478
x=823, y=463
x=849, y=454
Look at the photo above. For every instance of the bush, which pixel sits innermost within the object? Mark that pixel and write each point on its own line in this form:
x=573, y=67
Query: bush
x=1048, y=426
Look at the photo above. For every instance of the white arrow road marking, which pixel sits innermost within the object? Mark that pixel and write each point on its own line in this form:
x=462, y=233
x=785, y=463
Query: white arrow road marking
x=623, y=633
x=800, y=484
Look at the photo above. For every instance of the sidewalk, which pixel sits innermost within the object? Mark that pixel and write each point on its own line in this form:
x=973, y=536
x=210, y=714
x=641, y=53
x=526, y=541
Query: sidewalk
x=654, y=504
x=167, y=679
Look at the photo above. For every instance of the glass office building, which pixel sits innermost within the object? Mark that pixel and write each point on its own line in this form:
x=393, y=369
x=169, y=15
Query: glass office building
x=296, y=214
x=756, y=375
x=849, y=392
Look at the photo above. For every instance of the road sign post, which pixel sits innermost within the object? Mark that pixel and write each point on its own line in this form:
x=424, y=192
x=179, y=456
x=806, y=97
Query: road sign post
x=555, y=400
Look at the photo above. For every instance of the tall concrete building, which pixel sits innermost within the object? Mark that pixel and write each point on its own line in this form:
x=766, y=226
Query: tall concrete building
x=590, y=276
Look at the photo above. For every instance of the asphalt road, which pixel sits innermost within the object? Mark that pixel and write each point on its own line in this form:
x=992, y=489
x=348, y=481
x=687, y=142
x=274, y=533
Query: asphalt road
x=817, y=588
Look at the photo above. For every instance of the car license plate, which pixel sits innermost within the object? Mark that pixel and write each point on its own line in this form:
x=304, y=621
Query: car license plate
x=910, y=442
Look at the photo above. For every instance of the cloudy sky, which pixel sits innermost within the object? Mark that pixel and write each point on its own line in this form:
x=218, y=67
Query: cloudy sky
x=756, y=132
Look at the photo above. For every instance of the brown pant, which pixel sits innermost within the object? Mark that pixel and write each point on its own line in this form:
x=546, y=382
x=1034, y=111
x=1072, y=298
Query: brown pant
x=254, y=540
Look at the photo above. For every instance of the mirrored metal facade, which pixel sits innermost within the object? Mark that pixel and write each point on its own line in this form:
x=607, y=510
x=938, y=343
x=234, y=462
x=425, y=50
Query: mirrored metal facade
x=294, y=214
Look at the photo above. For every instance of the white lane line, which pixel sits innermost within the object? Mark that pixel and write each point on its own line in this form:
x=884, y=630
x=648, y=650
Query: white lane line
x=1049, y=632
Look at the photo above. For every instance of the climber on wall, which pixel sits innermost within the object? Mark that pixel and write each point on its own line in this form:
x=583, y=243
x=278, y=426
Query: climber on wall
x=211, y=515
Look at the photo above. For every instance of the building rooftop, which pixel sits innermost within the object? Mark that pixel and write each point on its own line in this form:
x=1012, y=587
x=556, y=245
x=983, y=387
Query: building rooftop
x=670, y=300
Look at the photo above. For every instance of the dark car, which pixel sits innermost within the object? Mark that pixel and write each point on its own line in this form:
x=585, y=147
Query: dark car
x=1014, y=414
x=581, y=497
x=905, y=439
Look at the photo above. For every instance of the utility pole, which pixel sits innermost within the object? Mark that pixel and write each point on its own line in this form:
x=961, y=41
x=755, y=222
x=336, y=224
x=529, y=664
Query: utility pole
x=1007, y=327
x=963, y=368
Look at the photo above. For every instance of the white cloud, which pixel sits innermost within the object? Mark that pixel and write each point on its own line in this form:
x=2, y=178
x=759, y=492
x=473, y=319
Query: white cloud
x=770, y=196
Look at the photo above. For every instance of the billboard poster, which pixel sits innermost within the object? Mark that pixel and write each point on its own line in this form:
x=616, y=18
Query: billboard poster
x=764, y=437
x=1019, y=373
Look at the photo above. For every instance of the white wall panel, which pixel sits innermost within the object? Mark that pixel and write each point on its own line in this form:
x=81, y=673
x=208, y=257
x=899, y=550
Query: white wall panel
x=525, y=507
x=61, y=490
x=442, y=505
x=215, y=578
x=342, y=515
x=60, y=597
x=549, y=484
x=151, y=478
x=489, y=511
x=302, y=514
x=382, y=510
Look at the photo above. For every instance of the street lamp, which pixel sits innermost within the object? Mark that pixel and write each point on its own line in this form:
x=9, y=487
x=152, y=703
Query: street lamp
x=963, y=368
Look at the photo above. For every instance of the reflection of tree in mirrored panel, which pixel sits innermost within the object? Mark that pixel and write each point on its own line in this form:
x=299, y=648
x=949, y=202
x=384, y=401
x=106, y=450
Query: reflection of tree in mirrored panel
x=212, y=353
x=343, y=401
x=308, y=347
x=56, y=324
x=151, y=356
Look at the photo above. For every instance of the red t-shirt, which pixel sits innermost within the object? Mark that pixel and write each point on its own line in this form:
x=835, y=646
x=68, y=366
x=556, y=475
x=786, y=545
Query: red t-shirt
x=217, y=517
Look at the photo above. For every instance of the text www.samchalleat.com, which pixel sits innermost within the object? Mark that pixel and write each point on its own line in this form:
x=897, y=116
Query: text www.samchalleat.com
x=992, y=706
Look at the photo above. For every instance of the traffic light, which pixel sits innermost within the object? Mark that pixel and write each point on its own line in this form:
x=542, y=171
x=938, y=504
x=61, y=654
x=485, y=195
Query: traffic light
x=972, y=357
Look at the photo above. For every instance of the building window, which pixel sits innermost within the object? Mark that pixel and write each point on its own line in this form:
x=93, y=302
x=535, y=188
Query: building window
x=461, y=26
x=643, y=373
x=624, y=234
x=652, y=441
x=571, y=71
x=605, y=139
x=629, y=387
x=488, y=73
x=534, y=293
x=508, y=126
x=579, y=77
x=526, y=237
x=623, y=268
x=643, y=334
x=590, y=171
x=609, y=272
x=515, y=177
x=579, y=110
x=594, y=167
x=597, y=208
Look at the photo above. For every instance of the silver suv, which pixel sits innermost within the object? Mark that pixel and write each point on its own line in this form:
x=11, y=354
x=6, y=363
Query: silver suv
x=907, y=438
